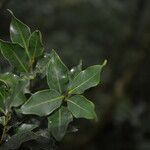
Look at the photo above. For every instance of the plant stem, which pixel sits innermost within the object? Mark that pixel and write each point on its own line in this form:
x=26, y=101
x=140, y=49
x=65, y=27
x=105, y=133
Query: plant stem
x=5, y=129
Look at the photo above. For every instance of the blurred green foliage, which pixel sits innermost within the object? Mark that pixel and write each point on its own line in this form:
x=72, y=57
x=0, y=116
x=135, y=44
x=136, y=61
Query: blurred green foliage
x=118, y=30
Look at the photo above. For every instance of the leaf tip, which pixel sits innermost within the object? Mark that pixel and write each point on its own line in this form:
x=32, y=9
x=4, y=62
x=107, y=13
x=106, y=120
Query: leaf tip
x=10, y=11
x=104, y=63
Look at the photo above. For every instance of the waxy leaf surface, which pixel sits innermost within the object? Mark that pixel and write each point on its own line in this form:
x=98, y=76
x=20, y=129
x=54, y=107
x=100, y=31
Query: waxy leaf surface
x=58, y=122
x=19, y=33
x=42, y=103
x=57, y=74
x=86, y=79
x=15, y=54
x=81, y=107
x=35, y=45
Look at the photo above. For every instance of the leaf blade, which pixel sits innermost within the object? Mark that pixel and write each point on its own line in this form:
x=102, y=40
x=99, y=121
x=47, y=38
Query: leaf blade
x=81, y=107
x=35, y=45
x=42, y=103
x=19, y=32
x=86, y=79
x=13, y=53
x=57, y=74
x=58, y=122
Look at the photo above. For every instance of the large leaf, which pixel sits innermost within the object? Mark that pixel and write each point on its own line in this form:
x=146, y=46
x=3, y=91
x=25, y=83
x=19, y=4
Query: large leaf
x=35, y=45
x=86, y=79
x=57, y=75
x=58, y=122
x=19, y=33
x=42, y=103
x=15, y=54
x=81, y=107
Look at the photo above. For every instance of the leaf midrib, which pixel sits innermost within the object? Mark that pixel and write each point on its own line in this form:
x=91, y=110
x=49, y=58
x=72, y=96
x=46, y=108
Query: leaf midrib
x=47, y=101
x=78, y=106
x=81, y=84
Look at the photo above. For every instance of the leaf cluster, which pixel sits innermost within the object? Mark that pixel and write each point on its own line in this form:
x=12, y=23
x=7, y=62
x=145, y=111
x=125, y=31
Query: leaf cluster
x=22, y=110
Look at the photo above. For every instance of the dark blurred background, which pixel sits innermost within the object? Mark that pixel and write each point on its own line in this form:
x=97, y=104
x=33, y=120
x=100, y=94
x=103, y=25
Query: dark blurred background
x=94, y=30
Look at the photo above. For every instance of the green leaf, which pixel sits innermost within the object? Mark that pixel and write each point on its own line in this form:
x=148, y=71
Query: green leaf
x=58, y=122
x=86, y=79
x=15, y=54
x=42, y=65
x=19, y=33
x=18, y=98
x=75, y=70
x=26, y=127
x=2, y=120
x=57, y=74
x=16, y=140
x=81, y=107
x=9, y=79
x=35, y=45
x=16, y=87
x=42, y=103
x=3, y=97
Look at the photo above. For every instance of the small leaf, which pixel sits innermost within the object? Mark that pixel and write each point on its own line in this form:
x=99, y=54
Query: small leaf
x=15, y=54
x=16, y=87
x=86, y=79
x=81, y=107
x=18, y=98
x=58, y=122
x=75, y=70
x=26, y=127
x=42, y=65
x=57, y=74
x=35, y=45
x=19, y=33
x=42, y=103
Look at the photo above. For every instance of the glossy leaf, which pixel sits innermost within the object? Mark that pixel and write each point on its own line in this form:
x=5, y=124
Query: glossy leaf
x=18, y=98
x=26, y=127
x=81, y=107
x=75, y=70
x=42, y=103
x=15, y=54
x=16, y=140
x=58, y=122
x=16, y=89
x=35, y=45
x=57, y=74
x=42, y=65
x=86, y=79
x=19, y=33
